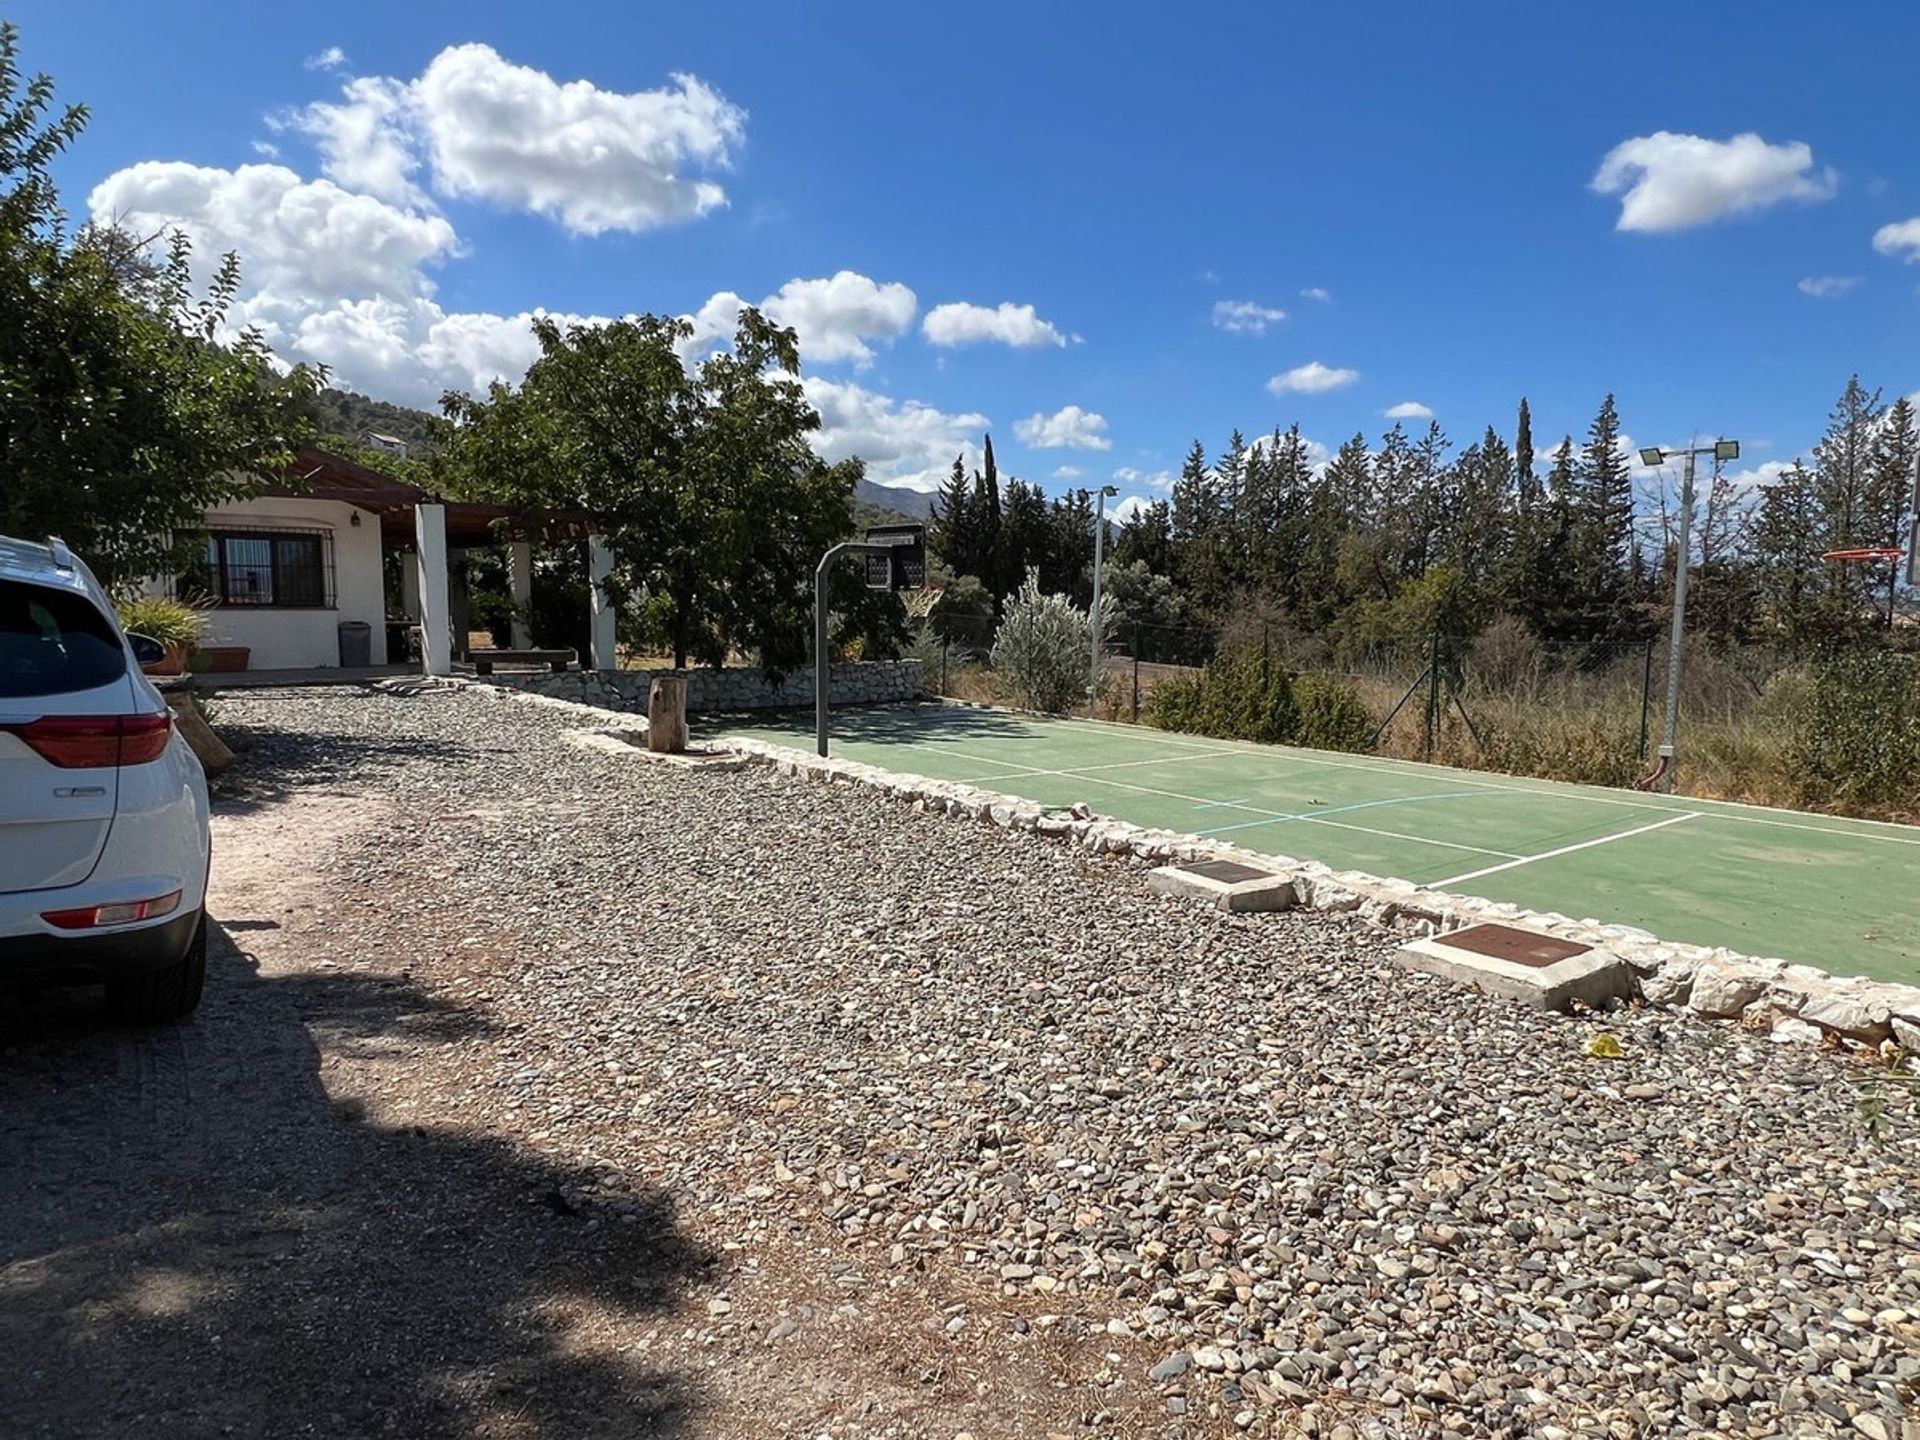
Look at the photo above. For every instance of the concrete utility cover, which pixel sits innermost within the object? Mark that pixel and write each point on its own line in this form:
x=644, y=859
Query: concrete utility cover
x=1543, y=970
x=1225, y=885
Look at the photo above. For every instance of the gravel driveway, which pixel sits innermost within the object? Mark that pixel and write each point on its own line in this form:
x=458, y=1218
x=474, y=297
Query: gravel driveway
x=540, y=1093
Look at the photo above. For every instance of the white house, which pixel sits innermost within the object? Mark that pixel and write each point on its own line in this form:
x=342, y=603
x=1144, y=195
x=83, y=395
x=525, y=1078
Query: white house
x=283, y=572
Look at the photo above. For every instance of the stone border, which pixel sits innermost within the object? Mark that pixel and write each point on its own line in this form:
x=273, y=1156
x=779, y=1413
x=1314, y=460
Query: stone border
x=1793, y=1002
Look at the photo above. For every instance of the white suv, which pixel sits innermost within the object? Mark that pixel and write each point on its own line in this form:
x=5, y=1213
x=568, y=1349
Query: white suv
x=104, y=844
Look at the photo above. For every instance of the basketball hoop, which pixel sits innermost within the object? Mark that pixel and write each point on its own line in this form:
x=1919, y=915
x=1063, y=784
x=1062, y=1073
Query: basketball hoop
x=1865, y=553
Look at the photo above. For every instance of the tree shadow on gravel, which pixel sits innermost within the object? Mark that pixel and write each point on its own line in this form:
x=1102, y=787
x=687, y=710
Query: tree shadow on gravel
x=196, y=1240
x=271, y=761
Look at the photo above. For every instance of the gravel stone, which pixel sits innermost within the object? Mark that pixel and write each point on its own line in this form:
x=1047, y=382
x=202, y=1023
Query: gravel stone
x=946, y=1049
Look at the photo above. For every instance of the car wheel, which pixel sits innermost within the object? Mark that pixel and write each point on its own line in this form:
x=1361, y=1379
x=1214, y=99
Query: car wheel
x=168, y=994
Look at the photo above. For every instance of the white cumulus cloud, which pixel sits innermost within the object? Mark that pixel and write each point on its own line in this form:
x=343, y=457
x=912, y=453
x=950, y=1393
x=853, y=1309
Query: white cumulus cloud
x=486, y=129
x=958, y=323
x=1313, y=378
x=1155, y=480
x=328, y=276
x=1669, y=181
x=1245, y=317
x=299, y=240
x=903, y=442
x=1068, y=428
x=1828, y=287
x=834, y=317
x=1409, y=410
x=1901, y=238
x=1315, y=292
x=331, y=58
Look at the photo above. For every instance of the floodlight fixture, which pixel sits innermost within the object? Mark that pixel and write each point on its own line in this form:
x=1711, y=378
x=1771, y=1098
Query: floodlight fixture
x=1726, y=449
x=1652, y=455
x=1109, y=490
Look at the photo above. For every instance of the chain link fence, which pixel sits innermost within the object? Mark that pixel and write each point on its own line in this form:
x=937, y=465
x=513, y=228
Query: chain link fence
x=1501, y=700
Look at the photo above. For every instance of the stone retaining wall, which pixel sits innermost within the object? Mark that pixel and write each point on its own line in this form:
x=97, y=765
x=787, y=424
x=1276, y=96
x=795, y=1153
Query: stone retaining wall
x=1787, y=1002
x=869, y=682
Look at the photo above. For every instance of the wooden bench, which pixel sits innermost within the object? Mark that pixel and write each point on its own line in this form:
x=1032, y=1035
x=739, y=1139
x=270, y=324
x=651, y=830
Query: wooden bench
x=485, y=660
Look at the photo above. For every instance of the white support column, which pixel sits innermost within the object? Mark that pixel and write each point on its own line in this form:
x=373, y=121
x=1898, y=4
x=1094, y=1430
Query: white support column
x=599, y=567
x=520, y=586
x=436, y=632
x=410, y=589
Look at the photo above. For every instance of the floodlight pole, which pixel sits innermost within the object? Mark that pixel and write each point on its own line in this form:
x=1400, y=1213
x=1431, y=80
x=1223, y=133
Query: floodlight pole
x=1682, y=564
x=1099, y=557
x=821, y=574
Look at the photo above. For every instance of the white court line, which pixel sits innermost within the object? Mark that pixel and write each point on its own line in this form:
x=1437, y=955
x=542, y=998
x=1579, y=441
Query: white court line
x=1032, y=772
x=1452, y=880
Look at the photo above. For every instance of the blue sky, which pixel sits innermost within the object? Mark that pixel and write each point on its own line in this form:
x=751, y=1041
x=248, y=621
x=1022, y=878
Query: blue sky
x=406, y=180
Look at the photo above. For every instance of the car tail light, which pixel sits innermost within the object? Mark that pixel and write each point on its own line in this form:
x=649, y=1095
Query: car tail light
x=93, y=742
x=89, y=917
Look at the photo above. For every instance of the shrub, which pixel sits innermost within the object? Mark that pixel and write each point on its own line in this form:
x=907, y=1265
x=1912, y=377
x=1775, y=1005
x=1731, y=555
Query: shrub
x=174, y=623
x=1332, y=714
x=1858, y=737
x=1044, y=648
x=1237, y=697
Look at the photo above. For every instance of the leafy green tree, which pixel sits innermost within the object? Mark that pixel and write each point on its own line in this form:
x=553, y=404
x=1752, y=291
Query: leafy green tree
x=124, y=415
x=1141, y=599
x=714, y=506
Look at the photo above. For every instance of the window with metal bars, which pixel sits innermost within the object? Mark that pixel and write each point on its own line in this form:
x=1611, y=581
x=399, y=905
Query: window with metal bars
x=261, y=569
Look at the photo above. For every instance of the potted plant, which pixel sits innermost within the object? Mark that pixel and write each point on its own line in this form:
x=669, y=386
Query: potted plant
x=176, y=625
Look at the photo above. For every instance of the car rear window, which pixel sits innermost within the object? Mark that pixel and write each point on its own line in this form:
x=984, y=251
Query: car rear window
x=54, y=641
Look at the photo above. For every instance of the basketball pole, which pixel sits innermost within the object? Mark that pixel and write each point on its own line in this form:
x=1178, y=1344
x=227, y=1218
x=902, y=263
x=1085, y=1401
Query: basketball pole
x=1099, y=556
x=821, y=670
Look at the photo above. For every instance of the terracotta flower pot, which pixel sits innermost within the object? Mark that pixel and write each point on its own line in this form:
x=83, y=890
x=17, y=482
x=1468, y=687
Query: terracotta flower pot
x=224, y=659
x=174, y=662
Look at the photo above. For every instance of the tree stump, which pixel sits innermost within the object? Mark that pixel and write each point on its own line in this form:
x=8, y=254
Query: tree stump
x=667, y=714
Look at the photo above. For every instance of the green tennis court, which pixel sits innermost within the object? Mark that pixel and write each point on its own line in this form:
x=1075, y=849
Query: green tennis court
x=1840, y=894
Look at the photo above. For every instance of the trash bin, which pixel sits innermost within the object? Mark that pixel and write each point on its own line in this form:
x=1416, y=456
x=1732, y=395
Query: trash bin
x=356, y=644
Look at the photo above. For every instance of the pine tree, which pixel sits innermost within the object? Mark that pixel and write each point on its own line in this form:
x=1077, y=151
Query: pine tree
x=1891, y=481
x=1843, y=464
x=1600, y=558
x=952, y=528
x=1528, y=482
x=1025, y=539
x=1199, y=523
x=1787, y=546
x=1336, y=496
x=1548, y=599
x=1146, y=538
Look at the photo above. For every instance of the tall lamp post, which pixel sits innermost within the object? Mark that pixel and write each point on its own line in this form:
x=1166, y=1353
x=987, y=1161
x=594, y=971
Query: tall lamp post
x=1653, y=455
x=1099, y=558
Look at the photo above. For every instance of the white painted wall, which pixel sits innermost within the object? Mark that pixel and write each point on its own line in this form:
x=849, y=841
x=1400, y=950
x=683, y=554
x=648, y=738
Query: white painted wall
x=306, y=639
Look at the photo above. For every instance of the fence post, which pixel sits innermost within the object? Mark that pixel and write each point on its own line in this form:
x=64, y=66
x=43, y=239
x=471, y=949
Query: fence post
x=1136, y=672
x=945, y=641
x=1433, y=692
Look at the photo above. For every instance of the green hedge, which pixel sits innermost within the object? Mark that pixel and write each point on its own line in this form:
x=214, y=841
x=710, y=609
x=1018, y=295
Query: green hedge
x=1857, y=740
x=1240, y=696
